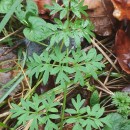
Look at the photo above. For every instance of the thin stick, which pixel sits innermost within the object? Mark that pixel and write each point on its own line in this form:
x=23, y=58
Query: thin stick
x=106, y=80
x=11, y=34
x=4, y=114
x=99, y=48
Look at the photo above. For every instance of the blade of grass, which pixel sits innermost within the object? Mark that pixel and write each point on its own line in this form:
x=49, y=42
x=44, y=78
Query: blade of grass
x=9, y=14
x=12, y=87
x=9, y=83
x=63, y=108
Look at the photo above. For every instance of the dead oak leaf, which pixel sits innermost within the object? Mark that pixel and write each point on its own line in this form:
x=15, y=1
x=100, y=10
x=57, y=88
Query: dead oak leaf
x=41, y=3
x=100, y=13
x=122, y=49
x=43, y=12
x=92, y=4
x=122, y=9
x=122, y=41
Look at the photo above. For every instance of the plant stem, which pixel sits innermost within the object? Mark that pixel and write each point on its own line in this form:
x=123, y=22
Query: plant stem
x=63, y=108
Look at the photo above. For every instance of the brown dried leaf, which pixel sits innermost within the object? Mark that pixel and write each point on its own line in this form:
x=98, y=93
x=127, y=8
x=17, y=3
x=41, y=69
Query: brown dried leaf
x=122, y=9
x=92, y=4
x=44, y=13
x=100, y=13
x=122, y=49
x=41, y=3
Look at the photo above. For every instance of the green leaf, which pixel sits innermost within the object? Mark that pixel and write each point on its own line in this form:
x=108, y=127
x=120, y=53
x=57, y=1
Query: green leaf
x=32, y=7
x=91, y=54
x=76, y=12
x=95, y=109
x=53, y=109
x=83, y=110
x=90, y=70
x=66, y=40
x=98, y=123
x=63, y=13
x=66, y=3
x=69, y=70
x=92, y=122
x=94, y=99
x=2, y=125
x=55, y=70
x=50, y=125
x=37, y=58
x=5, y=5
x=122, y=101
x=34, y=124
x=70, y=111
x=22, y=14
x=117, y=121
x=79, y=78
x=52, y=41
x=100, y=112
x=77, y=127
x=54, y=116
x=9, y=14
x=62, y=77
x=70, y=120
x=99, y=57
x=88, y=127
x=106, y=120
x=31, y=110
x=98, y=65
x=36, y=30
x=78, y=104
x=77, y=38
x=88, y=110
x=54, y=8
x=88, y=38
x=89, y=123
x=46, y=73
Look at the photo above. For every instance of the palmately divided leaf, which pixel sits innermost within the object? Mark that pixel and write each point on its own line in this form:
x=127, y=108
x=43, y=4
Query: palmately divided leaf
x=86, y=117
x=31, y=110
